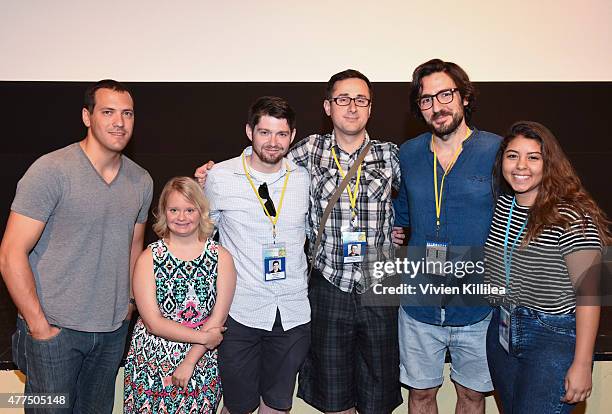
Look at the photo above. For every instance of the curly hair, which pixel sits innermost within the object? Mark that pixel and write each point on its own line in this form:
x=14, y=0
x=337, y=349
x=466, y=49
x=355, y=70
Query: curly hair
x=189, y=189
x=560, y=185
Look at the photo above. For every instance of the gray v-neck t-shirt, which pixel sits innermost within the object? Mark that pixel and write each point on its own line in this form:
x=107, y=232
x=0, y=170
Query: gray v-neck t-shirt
x=81, y=261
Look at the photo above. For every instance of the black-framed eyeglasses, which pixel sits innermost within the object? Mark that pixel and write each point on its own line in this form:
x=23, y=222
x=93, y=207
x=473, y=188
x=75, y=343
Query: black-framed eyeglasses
x=444, y=97
x=346, y=101
x=269, y=204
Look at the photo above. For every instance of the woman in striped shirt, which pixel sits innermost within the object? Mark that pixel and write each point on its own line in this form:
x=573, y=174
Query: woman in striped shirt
x=544, y=249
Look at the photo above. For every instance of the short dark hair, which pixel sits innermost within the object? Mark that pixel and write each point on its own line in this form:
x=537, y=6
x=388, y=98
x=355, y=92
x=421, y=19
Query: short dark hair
x=456, y=73
x=346, y=74
x=271, y=106
x=90, y=93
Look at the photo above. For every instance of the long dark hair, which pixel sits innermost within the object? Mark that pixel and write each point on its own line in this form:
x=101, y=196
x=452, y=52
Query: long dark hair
x=560, y=184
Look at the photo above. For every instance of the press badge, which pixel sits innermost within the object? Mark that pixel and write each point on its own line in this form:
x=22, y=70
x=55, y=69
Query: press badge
x=274, y=261
x=435, y=256
x=504, y=327
x=353, y=246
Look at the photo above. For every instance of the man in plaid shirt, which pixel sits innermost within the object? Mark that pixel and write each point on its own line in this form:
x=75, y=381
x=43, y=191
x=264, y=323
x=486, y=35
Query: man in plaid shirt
x=354, y=358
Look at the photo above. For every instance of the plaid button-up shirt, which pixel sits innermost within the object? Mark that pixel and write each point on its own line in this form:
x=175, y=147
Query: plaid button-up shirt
x=380, y=172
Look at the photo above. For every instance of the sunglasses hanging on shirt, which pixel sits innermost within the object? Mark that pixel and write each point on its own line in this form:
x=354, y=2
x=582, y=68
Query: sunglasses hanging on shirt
x=265, y=194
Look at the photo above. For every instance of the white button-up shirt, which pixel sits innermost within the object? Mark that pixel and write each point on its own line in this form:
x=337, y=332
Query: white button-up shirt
x=244, y=228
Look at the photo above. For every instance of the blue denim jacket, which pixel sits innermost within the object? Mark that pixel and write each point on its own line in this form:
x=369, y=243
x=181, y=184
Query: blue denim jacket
x=466, y=211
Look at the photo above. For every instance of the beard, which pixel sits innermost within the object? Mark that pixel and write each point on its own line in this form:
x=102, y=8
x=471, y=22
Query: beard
x=269, y=159
x=445, y=130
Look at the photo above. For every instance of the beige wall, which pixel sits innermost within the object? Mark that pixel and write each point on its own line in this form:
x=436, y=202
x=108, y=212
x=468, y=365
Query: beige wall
x=280, y=40
x=599, y=403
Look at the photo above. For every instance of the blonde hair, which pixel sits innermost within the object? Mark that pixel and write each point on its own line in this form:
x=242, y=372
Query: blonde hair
x=188, y=188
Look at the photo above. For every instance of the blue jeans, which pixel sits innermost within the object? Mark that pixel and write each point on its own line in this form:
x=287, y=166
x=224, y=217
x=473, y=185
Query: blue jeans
x=530, y=378
x=82, y=365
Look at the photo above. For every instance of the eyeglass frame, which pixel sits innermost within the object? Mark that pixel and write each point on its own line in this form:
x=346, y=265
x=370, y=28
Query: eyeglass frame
x=351, y=99
x=265, y=194
x=437, y=96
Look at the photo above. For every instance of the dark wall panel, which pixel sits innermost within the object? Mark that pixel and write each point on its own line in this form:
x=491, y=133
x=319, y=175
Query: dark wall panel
x=180, y=125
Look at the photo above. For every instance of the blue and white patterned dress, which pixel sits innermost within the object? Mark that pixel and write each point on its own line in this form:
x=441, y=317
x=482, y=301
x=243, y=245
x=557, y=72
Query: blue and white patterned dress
x=186, y=293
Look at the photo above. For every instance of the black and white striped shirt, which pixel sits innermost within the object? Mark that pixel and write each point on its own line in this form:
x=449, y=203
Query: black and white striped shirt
x=538, y=273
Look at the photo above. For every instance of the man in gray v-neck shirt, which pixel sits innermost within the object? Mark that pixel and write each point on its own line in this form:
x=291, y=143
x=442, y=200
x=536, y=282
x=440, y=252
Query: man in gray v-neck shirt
x=74, y=232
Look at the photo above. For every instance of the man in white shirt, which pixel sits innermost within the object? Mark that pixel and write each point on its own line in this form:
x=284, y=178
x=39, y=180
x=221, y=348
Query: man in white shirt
x=259, y=201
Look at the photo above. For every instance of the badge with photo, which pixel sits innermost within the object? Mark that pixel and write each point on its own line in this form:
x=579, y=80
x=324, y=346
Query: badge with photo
x=353, y=246
x=274, y=261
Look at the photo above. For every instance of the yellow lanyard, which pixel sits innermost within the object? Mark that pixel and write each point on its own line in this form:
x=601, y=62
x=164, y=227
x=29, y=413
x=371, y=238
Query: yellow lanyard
x=438, y=197
x=352, y=194
x=280, y=202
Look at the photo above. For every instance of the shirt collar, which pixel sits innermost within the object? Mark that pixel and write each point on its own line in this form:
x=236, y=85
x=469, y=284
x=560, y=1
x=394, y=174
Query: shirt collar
x=466, y=143
x=334, y=144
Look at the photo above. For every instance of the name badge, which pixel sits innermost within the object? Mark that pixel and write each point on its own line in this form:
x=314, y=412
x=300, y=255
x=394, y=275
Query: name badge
x=353, y=246
x=436, y=251
x=274, y=261
x=505, y=320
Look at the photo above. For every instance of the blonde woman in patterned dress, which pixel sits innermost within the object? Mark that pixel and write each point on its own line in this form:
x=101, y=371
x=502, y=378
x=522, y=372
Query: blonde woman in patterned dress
x=183, y=286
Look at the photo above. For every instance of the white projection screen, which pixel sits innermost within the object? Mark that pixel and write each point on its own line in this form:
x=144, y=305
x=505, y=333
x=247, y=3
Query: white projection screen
x=302, y=41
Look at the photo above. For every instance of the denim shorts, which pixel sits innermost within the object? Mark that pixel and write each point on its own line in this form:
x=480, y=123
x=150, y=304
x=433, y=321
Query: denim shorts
x=423, y=351
x=530, y=378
